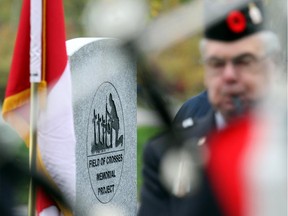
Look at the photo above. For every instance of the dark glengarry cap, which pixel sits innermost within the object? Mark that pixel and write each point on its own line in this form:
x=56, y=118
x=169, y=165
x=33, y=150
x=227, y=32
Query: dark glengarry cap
x=238, y=23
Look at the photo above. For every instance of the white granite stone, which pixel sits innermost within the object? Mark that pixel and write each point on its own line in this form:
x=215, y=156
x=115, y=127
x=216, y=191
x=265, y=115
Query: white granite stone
x=105, y=118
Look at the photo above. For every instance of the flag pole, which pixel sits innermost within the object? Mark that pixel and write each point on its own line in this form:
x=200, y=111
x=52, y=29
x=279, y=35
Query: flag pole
x=36, y=52
x=33, y=147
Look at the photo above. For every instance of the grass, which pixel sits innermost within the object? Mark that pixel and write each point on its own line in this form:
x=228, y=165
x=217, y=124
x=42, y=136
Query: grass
x=143, y=135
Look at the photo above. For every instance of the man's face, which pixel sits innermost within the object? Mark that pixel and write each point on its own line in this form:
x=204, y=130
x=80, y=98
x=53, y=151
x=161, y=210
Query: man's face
x=237, y=69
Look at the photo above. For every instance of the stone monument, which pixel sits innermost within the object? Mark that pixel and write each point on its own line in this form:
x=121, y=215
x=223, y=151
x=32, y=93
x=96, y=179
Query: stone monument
x=104, y=107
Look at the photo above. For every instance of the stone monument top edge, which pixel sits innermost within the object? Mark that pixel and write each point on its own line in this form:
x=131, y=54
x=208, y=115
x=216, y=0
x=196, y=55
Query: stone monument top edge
x=73, y=45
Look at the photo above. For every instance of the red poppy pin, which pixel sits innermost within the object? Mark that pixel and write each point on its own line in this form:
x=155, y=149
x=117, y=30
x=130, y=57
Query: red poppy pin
x=236, y=21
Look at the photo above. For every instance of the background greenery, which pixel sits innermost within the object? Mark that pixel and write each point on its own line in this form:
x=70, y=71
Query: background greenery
x=143, y=135
x=179, y=66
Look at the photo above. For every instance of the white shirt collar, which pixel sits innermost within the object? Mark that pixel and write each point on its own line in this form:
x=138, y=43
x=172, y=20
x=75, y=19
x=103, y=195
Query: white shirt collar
x=220, y=121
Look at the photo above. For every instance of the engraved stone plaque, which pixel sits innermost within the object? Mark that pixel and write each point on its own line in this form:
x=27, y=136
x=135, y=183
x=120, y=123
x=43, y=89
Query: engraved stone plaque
x=104, y=106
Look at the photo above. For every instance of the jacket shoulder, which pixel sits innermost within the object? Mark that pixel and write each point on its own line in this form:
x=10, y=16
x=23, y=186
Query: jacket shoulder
x=196, y=107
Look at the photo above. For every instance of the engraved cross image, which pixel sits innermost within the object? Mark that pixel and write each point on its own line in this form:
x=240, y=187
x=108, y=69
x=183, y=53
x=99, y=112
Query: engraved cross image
x=104, y=137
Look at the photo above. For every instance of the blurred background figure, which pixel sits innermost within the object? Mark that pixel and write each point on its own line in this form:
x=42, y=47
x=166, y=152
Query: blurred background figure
x=187, y=171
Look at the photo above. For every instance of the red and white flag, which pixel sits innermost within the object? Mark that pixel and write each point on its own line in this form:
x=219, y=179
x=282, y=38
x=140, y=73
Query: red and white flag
x=40, y=56
x=247, y=163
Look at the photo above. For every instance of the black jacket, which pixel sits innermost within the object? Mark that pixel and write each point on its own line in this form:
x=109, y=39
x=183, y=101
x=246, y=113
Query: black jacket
x=196, y=107
x=155, y=199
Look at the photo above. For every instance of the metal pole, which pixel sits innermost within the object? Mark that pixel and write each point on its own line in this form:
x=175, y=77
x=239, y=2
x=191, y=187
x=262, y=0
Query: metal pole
x=33, y=147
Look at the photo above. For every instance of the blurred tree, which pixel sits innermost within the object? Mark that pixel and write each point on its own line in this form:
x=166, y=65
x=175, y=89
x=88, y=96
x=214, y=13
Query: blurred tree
x=73, y=12
x=179, y=63
x=9, y=15
x=182, y=67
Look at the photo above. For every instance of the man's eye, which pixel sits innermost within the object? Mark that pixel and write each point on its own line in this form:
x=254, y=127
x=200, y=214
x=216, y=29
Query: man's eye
x=246, y=61
x=216, y=64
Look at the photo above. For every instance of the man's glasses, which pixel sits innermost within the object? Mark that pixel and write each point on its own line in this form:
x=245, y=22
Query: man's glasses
x=244, y=62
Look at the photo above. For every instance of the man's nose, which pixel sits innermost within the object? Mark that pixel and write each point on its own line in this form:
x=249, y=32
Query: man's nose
x=230, y=72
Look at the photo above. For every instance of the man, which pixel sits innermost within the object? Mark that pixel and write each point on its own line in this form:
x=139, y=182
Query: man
x=237, y=55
